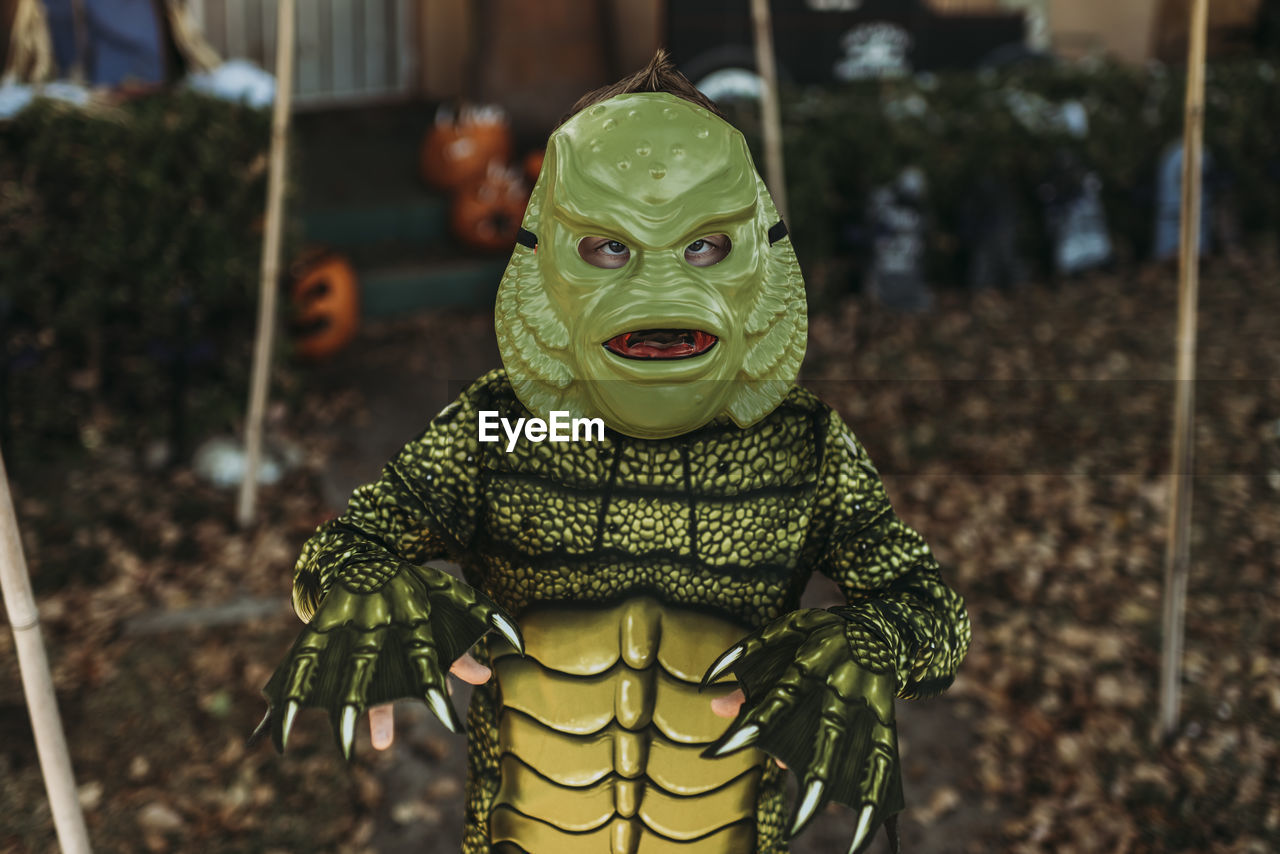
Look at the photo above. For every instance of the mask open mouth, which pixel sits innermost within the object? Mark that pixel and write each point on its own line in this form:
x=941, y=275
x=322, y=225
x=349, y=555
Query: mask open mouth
x=661, y=343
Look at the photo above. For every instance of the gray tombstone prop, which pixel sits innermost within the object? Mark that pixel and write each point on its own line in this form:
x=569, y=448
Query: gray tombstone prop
x=1072, y=194
x=1168, y=231
x=1079, y=229
x=895, y=214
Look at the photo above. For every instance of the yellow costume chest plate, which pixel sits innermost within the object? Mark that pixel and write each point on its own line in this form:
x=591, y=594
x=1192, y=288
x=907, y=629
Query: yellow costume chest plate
x=601, y=727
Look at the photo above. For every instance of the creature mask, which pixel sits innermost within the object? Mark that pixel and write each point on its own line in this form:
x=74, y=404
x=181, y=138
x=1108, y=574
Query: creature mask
x=652, y=339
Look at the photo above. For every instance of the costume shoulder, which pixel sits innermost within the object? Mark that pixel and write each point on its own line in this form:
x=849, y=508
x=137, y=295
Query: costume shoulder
x=800, y=407
x=491, y=391
x=837, y=436
x=800, y=399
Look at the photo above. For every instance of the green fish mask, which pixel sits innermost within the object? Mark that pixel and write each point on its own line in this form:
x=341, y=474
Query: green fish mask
x=654, y=286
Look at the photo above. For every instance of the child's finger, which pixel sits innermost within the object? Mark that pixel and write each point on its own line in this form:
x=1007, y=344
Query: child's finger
x=382, y=726
x=728, y=705
x=468, y=669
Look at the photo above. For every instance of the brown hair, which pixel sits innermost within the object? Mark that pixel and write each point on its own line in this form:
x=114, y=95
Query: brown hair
x=660, y=75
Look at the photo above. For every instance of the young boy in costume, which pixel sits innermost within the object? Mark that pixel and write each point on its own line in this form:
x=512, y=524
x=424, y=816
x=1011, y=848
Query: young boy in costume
x=629, y=576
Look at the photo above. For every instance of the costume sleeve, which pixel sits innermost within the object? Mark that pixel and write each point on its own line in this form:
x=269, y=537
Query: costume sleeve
x=902, y=616
x=423, y=507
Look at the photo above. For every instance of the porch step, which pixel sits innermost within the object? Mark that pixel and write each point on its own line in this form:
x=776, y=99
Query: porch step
x=420, y=221
x=462, y=283
x=360, y=194
x=404, y=257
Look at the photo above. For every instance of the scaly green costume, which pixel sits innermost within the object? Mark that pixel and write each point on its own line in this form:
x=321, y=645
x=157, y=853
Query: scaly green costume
x=641, y=568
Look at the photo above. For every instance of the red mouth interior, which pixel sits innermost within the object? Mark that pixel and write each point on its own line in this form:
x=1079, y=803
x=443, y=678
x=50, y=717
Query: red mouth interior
x=661, y=343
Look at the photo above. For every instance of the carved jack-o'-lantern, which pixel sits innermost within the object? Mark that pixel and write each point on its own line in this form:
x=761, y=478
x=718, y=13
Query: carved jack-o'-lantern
x=457, y=152
x=326, y=305
x=487, y=213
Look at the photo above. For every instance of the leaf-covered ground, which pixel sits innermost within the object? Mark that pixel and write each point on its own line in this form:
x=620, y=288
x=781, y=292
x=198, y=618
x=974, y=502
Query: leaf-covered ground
x=1026, y=435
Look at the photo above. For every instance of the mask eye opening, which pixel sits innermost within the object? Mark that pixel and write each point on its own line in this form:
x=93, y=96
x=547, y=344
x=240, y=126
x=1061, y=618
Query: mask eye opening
x=603, y=252
x=708, y=251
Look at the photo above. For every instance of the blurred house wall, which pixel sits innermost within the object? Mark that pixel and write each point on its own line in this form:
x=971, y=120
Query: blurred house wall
x=1139, y=30
x=1232, y=27
x=348, y=51
x=534, y=59
x=640, y=25
x=444, y=46
x=1122, y=30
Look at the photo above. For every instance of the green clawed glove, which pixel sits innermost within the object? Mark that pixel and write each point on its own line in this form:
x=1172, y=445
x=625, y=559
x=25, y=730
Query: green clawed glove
x=830, y=719
x=368, y=645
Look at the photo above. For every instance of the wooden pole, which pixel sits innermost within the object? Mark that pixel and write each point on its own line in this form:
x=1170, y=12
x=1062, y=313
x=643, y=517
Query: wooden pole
x=37, y=685
x=268, y=286
x=1177, y=552
x=770, y=114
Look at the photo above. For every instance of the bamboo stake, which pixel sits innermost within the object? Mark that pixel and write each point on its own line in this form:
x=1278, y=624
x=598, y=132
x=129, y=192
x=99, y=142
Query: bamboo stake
x=1177, y=553
x=37, y=685
x=270, y=264
x=770, y=114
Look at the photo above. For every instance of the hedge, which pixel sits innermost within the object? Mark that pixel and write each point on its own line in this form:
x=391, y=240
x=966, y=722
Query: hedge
x=130, y=238
x=840, y=144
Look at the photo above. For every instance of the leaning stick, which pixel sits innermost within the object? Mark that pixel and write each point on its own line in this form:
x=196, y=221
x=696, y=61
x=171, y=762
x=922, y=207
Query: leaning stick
x=270, y=265
x=42, y=705
x=1177, y=552
x=770, y=114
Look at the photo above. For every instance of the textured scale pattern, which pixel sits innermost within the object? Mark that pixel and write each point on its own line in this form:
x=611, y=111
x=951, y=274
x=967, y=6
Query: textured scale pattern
x=771, y=812
x=874, y=652
x=724, y=519
x=483, y=757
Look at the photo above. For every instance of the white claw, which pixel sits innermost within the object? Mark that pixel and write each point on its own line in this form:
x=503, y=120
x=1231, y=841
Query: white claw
x=348, y=728
x=262, y=727
x=807, y=807
x=503, y=625
x=722, y=664
x=864, y=824
x=440, y=705
x=290, y=712
x=741, y=738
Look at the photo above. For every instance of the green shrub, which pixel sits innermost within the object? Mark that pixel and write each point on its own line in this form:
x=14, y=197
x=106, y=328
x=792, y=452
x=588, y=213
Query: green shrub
x=841, y=143
x=130, y=240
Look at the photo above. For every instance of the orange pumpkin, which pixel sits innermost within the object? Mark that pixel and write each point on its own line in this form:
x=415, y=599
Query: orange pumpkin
x=486, y=214
x=533, y=164
x=326, y=305
x=457, y=152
